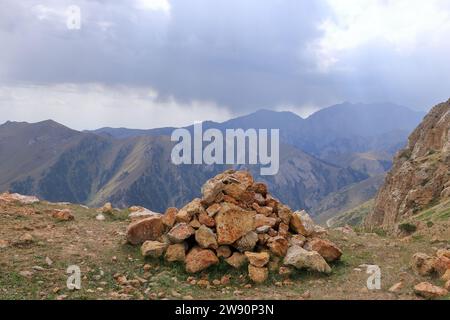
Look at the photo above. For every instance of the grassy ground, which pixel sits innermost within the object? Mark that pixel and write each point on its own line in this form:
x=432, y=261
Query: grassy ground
x=99, y=249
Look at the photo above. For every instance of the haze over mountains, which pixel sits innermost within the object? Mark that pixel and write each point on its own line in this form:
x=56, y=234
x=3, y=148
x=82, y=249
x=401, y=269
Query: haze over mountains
x=332, y=151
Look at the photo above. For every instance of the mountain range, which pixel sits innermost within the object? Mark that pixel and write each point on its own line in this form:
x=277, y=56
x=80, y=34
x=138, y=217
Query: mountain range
x=332, y=151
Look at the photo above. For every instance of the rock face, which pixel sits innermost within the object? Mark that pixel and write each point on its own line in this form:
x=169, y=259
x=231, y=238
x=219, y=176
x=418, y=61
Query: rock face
x=420, y=172
x=238, y=221
x=146, y=229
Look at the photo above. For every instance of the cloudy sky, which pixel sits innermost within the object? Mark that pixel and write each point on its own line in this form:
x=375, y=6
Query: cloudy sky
x=149, y=63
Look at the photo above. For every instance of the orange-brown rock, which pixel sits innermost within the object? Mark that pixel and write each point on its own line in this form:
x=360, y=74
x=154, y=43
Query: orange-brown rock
x=302, y=223
x=236, y=260
x=278, y=246
x=232, y=222
x=206, y=238
x=223, y=252
x=213, y=209
x=199, y=259
x=180, y=232
x=260, y=188
x=154, y=249
x=205, y=219
x=429, y=291
x=191, y=209
x=257, y=259
x=284, y=213
x=258, y=275
x=63, y=215
x=283, y=230
x=195, y=223
x=146, y=229
x=262, y=220
x=169, y=217
x=176, y=252
x=441, y=264
x=297, y=240
x=446, y=275
x=423, y=264
x=327, y=249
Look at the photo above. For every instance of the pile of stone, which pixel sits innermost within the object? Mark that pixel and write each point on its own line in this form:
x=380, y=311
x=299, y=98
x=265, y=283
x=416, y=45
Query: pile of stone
x=426, y=265
x=237, y=221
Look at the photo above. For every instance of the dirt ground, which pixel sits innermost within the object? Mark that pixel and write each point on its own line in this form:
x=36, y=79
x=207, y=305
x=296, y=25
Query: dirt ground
x=112, y=269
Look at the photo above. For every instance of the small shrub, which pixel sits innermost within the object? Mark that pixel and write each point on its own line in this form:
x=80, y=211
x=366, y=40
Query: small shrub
x=407, y=227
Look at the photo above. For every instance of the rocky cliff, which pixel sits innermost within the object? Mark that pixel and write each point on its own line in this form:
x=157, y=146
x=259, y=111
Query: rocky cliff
x=420, y=176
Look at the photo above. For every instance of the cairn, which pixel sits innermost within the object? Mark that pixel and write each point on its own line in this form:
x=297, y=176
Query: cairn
x=239, y=222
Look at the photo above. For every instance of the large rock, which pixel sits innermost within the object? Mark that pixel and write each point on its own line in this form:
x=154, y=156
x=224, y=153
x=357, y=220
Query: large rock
x=429, y=291
x=199, y=259
x=232, y=222
x=236, y=260
x=247, y=242
x=300, y=258
x=258, y=275
x=154, y=249
x=327, y=249
x=180, y=232
x=442, y=261
x=258, y=259
x=423, y=264
x=176, y=252
x=285, y=213
x=169, y=216
x=206, y=238
x=146, y=229
x=302, y=223
x=278, y=246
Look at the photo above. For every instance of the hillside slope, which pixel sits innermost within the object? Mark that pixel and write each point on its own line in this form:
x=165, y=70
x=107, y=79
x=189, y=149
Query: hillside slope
x=59, y=164
x=420, y=176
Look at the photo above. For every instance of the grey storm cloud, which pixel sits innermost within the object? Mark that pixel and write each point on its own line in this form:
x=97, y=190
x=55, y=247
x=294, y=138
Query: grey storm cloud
x=242, y=55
